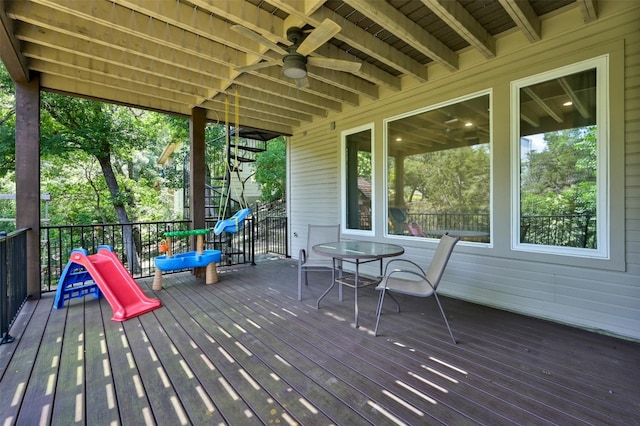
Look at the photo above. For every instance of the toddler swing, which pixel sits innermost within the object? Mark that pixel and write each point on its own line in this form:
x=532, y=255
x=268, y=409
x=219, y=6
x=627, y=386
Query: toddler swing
x=234, y=223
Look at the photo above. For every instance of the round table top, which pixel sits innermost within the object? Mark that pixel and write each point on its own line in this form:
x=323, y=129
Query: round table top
x=358, y=249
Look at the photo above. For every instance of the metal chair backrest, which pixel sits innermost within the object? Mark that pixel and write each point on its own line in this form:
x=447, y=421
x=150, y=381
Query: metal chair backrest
x=440, y=259
x=317, y=234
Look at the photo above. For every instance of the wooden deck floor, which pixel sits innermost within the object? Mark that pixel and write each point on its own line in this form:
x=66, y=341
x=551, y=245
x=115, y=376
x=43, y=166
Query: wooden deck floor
x=245, y=351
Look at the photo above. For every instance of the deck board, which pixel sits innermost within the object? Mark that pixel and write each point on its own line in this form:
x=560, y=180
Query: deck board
x=132, y=402
x=233, y=327
x=366, y=360
x=99, y=386
x=236, y=399
x=69, y=407
x=354, y=364
x=246, y=351
x=40, y=393
x=21, y=356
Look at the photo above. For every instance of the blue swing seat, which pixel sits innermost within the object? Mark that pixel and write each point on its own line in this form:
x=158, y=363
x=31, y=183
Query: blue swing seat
x=233, y=224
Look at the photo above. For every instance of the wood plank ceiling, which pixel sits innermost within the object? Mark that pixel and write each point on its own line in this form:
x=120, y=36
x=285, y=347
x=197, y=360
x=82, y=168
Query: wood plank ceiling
x=174, y=55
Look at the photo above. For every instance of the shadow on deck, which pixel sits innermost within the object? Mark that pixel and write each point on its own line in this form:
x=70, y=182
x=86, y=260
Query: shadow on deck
x=245, y=351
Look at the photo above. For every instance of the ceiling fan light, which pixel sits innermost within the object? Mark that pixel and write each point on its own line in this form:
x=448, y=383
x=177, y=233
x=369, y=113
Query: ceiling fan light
x=294, y=66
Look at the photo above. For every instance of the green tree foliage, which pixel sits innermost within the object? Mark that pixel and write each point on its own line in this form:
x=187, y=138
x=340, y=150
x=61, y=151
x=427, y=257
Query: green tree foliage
x=561, y=178
x=98, y=161
x=271, y=170
x=452, y=180
x=107, y=133
x=7, y=122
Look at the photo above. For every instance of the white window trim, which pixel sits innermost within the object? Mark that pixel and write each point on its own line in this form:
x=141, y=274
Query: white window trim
x=385, y=148
x=343, y=180
x=601, y=64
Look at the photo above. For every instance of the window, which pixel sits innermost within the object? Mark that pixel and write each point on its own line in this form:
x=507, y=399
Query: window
x=439, y=170
x=358, y=178
x=560, y=190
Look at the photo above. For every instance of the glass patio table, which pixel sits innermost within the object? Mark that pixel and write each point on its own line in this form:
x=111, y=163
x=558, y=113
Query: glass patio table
x=356, y=252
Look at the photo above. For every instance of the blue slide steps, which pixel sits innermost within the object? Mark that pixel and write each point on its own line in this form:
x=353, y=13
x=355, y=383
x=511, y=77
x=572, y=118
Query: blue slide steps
x=74, y=282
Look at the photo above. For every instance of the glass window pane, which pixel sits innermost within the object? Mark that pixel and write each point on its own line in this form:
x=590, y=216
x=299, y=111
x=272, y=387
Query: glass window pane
x=438, y=171
x=559, y=161
x=358, y=180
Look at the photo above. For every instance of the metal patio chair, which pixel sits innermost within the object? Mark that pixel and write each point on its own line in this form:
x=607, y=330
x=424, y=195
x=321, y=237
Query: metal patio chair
x=410, y=279
x=310, y=261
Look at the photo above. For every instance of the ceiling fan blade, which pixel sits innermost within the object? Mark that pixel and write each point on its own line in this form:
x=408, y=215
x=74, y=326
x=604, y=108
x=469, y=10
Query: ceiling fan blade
x=301, y=83
x=258, y=66
x=322, y=34
x=260, y=39
x=334, y=64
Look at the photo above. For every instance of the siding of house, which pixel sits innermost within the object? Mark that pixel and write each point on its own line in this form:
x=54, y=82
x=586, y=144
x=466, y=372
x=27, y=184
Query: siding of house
x=597, y=294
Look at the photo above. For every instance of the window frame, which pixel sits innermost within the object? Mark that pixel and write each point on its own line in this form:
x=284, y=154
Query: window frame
x=343, y=180
x=603, y=183
x=451, y=101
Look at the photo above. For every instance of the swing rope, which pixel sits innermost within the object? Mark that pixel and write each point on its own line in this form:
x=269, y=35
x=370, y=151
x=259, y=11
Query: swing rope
x=243, y=201
x=223, y=213
x=228, y=161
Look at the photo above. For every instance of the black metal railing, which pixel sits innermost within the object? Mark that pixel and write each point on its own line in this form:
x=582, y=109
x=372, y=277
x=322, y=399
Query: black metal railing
x=560, y=230
x=236, y=247
x=57, y=242
x=271, y=236
x=261, y=237
x=462, y=221
x=13, y=279
x=271, y=227
x=571, y=230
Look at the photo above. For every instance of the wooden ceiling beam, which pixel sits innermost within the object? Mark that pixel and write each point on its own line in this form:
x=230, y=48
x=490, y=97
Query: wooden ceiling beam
x=95, y=91
x=49, y=56
x=588, y=9
x=263, y=91
x=56, y=48
x=200, y=23
x=367, y=71
x=344, y=81
x=457, y=18
x=254, y=123
x=110, y=83
x=524, y=17
x=251, y=113
x=260, y=82
x=10, y=54
x=119, y=41
x=249, y=101
x=404, y=28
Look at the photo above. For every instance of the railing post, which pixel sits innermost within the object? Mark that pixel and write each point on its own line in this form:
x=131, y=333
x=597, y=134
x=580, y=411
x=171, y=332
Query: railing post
x=4, y=291
x=585, y=234
x=13, y=279
x=252, y=242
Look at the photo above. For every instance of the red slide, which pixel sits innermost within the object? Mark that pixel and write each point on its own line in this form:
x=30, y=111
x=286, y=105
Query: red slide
x=121, y=291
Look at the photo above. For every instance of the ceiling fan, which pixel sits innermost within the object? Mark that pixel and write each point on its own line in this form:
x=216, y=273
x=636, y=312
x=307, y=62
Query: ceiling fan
x=295, y=57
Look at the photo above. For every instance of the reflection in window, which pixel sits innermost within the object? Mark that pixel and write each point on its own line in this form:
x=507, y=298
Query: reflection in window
x=358, y=179
x=558, y=182
x=438, y=171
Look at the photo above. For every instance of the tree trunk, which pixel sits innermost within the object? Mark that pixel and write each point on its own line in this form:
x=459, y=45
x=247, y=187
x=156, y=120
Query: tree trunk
x=123, y=218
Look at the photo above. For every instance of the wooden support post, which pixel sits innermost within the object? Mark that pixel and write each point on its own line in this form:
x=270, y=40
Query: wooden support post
x=28, y=176
x=200, y=244
x=211, y=274
x=169, y=248
x=157, y=280
x=197, y=169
